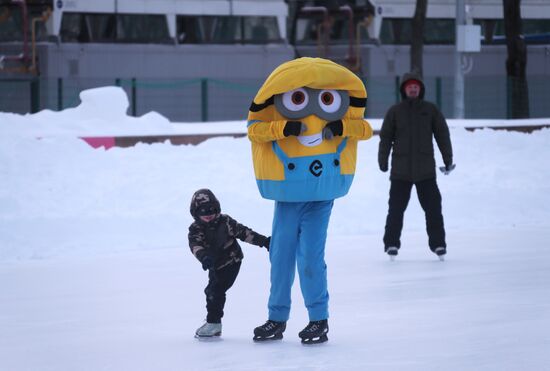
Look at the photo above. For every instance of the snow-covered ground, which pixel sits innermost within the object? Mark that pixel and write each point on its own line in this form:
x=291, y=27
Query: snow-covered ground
x=96, y=274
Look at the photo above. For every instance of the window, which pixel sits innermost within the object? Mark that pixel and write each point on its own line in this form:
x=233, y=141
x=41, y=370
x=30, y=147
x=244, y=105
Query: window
x=439, y=31
x=227, y=30
x=11, y=23
x=259, y=30
x=125, y=28
x=535, y=26
x=73, y=28
x=535, y=31
x=436, y=31
x=102, y=27
x=189, y=30
x=140, y=28
x=307, y=30
x=395, y=31
x=491, y=29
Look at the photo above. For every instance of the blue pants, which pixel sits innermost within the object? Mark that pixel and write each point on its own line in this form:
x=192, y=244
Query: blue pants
x=298, y=237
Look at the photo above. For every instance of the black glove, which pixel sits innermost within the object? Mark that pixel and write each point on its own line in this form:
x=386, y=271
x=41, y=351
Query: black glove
x=333, y=129
x=294, y=128
x=447, y=168
x=383, y=166
x=266, y=243
x=207, y=263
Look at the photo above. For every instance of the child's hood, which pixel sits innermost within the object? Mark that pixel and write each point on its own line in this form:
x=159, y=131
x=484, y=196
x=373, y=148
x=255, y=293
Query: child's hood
x=203, y=198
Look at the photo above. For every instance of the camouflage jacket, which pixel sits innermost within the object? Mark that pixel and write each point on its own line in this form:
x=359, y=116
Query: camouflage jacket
x=218, y=239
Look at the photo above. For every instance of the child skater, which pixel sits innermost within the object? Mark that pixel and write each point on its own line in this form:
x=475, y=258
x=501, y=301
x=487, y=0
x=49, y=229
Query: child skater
x=213, y=241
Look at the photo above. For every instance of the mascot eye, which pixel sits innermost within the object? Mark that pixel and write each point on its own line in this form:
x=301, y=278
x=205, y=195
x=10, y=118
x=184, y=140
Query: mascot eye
x=295, y=100
x=330, y=100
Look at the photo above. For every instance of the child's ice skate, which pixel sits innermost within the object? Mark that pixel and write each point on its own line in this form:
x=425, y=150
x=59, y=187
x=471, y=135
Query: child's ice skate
x=209, y=331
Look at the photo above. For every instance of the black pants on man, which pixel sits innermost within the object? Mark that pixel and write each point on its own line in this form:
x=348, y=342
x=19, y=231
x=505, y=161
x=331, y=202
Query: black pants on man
x=219, y=281
x=430, y=200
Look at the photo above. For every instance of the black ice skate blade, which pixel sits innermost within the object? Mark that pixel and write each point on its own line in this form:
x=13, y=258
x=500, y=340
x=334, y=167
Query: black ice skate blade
x=314, y=341
x=260, y=339
x=208, y=339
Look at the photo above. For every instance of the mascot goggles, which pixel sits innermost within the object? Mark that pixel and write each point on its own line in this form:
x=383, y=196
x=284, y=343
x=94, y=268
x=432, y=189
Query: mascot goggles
x=327, y=104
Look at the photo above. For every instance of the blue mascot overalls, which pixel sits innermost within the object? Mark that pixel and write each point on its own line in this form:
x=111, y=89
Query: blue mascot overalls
x=304, y=125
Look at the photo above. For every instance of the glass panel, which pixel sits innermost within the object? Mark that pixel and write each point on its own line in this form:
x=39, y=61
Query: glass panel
x=306, y=30
x=40, y=26
x=535, y=26
x=88, y=27
x=309, y=29
x=11, y=23
x=260, y=29
x=339, y=29
x=227, y=29
x=142, y=28
x=74, y=28
x=535, y=31
x=102, y=27
x=399, y=30
x=396, y=31
x=439, y=31
x=189, y=30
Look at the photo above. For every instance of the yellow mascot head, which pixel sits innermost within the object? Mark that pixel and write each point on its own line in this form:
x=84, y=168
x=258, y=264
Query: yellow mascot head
x=317, y=164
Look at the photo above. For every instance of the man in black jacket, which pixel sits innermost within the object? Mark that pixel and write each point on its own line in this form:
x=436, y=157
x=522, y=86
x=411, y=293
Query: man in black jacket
x=407, y=130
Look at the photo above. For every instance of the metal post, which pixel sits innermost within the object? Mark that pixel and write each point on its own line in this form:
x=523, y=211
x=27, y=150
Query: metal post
x=134, y=97
x=204, y=99
x=364, y=80
x=397, y=92
x=35, y=95
x=60, y=94
x=459, y=75
x=438, y=92
x=509, y=97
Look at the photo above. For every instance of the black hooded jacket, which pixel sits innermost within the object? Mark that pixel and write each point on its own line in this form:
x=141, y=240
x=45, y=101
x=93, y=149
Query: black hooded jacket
x=407, y=130
x=218, y=238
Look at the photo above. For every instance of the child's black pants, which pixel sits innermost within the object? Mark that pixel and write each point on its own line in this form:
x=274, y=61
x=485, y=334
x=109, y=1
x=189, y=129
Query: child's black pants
x=219, y=281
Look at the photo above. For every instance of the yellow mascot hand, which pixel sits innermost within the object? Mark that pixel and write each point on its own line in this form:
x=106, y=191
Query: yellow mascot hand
x=261, y=132
x=357, y=129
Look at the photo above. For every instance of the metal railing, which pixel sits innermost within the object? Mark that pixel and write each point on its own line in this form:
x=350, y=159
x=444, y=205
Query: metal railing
x=208, y=99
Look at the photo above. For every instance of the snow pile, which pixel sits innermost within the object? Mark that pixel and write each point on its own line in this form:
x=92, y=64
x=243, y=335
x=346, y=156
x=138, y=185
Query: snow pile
x=102, y=112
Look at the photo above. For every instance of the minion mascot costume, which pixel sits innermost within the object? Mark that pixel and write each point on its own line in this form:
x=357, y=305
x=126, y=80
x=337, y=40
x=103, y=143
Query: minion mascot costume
x=304, y=125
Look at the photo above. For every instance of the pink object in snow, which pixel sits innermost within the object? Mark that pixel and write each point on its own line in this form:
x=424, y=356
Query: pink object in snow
x=97, y=142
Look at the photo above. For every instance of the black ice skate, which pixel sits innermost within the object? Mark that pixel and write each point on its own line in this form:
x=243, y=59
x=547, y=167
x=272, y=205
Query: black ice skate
x=315, y=332
x=271, y=330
